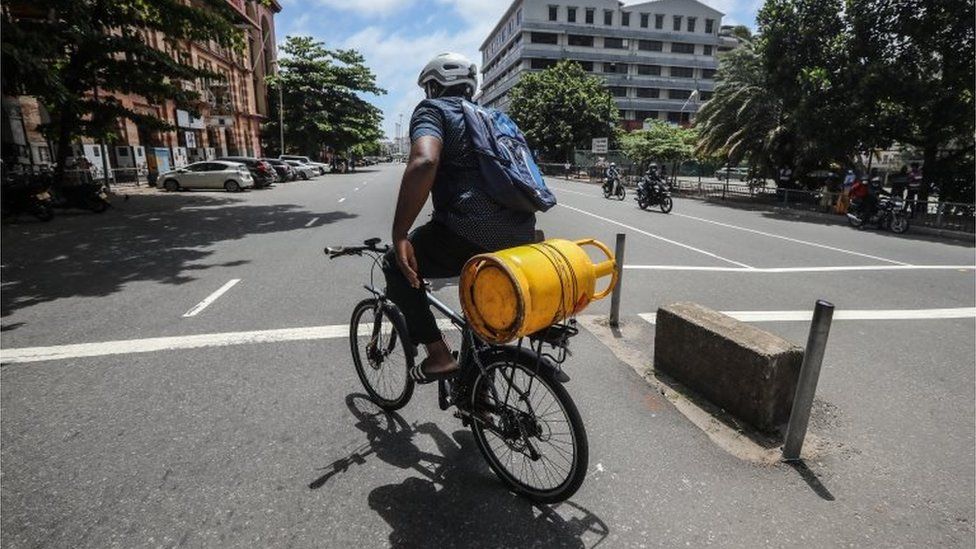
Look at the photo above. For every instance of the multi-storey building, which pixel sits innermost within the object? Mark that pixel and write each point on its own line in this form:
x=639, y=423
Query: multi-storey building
x=654, y=55
x=230, y=109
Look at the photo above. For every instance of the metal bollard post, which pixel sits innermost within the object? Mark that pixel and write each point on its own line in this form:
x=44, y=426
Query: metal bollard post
x=618, y=255
x=806, y=387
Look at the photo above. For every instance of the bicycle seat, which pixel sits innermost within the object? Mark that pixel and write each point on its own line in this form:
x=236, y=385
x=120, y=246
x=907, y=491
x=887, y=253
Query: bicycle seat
x=372, y=241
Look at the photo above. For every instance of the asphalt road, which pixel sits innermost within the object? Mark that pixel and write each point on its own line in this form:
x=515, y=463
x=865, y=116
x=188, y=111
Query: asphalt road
x=264, y=441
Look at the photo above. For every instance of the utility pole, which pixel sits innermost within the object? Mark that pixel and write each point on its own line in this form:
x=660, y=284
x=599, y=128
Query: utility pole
x=399, y=140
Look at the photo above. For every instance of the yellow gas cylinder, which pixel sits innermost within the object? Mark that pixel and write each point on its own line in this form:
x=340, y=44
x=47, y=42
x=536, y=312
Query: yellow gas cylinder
x=515, y=292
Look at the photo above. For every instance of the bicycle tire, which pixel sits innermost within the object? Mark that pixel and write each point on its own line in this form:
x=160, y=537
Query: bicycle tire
x=401, y=392
x=578, y=462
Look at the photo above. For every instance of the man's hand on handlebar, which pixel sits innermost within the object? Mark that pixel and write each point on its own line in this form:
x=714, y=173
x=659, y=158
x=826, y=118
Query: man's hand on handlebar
x=407, y=261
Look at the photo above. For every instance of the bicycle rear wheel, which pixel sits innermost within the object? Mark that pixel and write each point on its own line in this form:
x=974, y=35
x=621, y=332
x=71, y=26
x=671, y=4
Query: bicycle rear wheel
x=381, y=358
x=532, y=411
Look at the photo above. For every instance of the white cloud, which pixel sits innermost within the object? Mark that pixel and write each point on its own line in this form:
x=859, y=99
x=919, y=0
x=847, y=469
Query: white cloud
x=380, y=8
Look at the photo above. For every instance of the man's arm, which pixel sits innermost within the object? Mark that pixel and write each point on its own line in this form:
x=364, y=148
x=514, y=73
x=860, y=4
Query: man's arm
x=418, y=179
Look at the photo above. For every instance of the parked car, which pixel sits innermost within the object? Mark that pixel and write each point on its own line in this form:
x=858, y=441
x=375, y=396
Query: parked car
x=320, y=167
x=209, y=174
x=282, y=168
x=262, y=173
x=305, y=171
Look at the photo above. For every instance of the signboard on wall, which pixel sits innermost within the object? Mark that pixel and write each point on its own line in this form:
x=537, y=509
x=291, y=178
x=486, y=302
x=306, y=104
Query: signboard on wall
x=191, y=139
x=600, y=145
x=184, y=120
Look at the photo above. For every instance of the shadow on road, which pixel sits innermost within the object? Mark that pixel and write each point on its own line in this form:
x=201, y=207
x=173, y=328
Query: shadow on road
x=455, y=501
x=161, y=238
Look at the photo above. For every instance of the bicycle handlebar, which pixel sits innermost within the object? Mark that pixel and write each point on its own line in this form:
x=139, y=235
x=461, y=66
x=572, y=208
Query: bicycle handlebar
x=370, y=245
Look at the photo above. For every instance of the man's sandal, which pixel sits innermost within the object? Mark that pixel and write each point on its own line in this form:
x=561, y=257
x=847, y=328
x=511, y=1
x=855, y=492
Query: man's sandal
x=420, y=377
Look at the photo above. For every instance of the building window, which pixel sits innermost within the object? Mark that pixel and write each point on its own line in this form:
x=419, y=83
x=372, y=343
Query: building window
x=645, y=17
x=658, y=21
x=587, y=65
x=580, y=40
x=707, y=50
x=553, y=13
x=681, y=47
x=691, y=24
x=648, y=93
x=708, y=74
x=518, y=17
x=615, y=68
x=589, y=15
x=649, y=45
x=677, y=22
x=618, y=91
x=709, y=26
x=571, y=15
x=607, y=17
x=545, y=38
x=704, y=96
x=625, y=18
x=541, y=63
x=679, y=94
x=614, y=43
x=644, y=115
x=682, y=72
x=649, y=70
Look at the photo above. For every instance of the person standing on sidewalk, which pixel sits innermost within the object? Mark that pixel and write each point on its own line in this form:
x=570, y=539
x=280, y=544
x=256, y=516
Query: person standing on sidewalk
x=914, y=187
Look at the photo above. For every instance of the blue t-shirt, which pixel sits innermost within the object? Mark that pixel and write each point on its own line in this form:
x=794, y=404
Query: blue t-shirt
x=459, y=202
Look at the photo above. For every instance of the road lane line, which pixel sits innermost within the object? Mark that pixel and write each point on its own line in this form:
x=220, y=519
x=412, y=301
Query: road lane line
x=312, y=222
x=661, y=238
x=155, y=344
x=842, y=268
x=853, y=314
x=796, y=240
x=575, y=192
x=211, y=298
x=341, y=200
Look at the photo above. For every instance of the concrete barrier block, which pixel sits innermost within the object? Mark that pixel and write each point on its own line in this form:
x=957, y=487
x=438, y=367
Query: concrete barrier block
x=748, y=372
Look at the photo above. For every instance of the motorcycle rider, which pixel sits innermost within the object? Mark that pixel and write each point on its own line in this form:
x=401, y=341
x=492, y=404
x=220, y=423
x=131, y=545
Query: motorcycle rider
x=875, y=190
x=612, y=175
x=651, y=180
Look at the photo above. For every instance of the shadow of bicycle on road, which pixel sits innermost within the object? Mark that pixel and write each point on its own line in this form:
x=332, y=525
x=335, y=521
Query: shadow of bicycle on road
x=456, y=501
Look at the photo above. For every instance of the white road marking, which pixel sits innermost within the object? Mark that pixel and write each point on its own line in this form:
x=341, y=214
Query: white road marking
x=211, y=298
x=575, y=192
x=356, y=190
x=341, y=200
x=312, y=222
x=106, y=348
x=841, y=268
x=661, y=238
x=788, y=239
x=866, y=314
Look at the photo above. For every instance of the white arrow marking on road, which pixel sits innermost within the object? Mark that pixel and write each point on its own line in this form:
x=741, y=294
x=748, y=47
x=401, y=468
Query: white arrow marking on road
x=652, y=235
x=840, y=268
x=211, y=298
x=341, y=200
x=312, y=222
x=122, y=347
x=788, y=239
x=890, y=314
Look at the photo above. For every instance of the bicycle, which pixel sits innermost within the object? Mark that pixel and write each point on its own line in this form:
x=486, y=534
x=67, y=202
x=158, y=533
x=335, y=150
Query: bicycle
x=515, y=429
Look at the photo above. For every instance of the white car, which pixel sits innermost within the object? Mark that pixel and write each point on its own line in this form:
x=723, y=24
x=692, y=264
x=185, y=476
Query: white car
x=305, y=171
x=320, y=167
x=209, y=174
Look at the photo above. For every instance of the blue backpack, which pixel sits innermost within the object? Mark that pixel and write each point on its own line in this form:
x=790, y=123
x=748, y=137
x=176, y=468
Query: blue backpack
x=511, y=175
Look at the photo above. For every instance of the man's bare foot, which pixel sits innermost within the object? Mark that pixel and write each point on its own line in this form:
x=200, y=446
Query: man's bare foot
x=439, y=359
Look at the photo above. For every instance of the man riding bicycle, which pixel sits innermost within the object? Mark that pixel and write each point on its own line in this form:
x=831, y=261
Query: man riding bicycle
x=465, y=220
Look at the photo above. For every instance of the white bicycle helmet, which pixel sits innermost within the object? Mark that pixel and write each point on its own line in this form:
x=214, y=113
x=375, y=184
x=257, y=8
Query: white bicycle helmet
x=449, y=70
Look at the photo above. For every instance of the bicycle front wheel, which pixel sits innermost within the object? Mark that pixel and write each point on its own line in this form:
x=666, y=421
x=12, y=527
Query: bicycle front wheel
x=532, y=435
x=382, y=359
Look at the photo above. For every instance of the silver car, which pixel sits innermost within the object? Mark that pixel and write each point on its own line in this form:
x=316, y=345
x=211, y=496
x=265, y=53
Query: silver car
x=320, y=167
x=305, y=171
x=209, y=174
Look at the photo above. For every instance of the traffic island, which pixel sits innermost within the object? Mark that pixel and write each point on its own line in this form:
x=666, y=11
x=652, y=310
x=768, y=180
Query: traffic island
x=747, y=372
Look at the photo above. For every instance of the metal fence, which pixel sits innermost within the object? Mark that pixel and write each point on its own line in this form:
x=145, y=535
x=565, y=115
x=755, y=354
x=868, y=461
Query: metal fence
x=953, y=216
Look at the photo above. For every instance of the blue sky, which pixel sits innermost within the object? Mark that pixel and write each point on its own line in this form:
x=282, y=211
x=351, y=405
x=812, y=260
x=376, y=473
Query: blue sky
x=397, y=37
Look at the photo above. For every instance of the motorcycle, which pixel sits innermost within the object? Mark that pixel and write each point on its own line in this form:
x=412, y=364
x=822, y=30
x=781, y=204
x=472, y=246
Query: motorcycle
x=651, y=193
x=90, y=196
x=890, y=215
x=614, y=187
x=23, y=193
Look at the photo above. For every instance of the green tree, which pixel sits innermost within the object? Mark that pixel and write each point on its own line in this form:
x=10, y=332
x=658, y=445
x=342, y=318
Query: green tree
x=661, y=142
x=322, y=97
x=561, y=109
x=72, y=54
x=743, y=120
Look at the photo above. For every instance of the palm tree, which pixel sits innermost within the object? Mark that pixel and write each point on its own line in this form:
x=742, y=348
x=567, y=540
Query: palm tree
x=743, y=120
